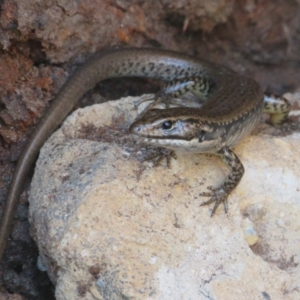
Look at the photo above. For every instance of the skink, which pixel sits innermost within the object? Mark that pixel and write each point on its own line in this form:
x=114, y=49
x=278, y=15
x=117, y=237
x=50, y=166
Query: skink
x=232, y=107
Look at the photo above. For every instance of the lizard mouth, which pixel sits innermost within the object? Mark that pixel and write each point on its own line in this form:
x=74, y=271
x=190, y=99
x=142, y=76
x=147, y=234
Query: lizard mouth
x=182, y=145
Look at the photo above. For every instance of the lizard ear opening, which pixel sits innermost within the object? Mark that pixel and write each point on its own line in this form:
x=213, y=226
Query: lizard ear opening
x=201, y=136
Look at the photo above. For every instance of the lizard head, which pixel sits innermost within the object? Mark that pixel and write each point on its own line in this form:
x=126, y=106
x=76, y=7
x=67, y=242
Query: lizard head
x=178, y=129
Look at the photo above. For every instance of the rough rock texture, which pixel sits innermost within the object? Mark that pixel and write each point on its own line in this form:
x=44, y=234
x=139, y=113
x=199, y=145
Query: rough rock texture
x=111, y=227
x=235, y=32
x=65, y=26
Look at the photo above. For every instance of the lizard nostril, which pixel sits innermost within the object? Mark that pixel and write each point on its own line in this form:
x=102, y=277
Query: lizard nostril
x=135, y=129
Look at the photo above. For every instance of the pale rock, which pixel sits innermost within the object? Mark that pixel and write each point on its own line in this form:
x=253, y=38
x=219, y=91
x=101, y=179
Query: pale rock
x=250, y=233
x=109, y=226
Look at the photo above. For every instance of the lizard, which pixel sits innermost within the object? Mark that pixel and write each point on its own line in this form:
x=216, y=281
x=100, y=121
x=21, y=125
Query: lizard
x=232, y=106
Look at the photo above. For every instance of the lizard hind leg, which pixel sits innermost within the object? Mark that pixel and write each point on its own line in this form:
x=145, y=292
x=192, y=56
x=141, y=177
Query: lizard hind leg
x=200, y=87
x=159, y=100
x=174, y=91
x=278, y=107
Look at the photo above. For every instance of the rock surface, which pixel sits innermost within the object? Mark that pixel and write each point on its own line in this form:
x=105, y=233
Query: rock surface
x=111, y=227
x=64, y=27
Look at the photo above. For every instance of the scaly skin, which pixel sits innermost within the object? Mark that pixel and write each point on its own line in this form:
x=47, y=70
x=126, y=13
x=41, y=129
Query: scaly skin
x=234, y=106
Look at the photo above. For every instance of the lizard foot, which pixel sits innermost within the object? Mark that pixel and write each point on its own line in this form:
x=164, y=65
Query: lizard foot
x=157, y=155
x=218, y=195
x=159, y=100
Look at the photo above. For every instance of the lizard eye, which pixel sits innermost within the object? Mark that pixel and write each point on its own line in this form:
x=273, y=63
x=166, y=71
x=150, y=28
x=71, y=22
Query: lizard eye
x=167, y=125
x=201, y=136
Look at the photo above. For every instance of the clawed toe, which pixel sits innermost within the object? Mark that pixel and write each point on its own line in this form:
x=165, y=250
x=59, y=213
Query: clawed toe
x=218, y=195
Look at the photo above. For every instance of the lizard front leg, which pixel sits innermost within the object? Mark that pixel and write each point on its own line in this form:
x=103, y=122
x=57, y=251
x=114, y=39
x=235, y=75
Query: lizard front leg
x=220, y=195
